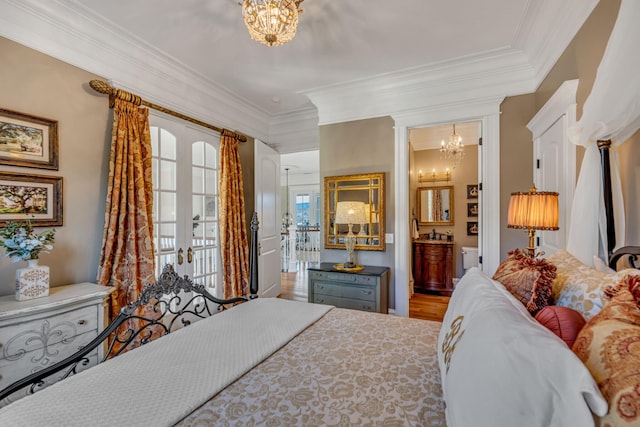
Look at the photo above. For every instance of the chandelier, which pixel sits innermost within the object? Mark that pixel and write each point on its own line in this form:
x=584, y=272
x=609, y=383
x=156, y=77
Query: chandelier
x=453, y=150
x=271, y=22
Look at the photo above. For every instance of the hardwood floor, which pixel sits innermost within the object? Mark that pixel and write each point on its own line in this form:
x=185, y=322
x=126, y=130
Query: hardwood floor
x=421, y=306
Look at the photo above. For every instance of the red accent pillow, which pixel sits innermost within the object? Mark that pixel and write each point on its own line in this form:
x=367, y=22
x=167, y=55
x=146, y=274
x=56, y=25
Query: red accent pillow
x=562, y=321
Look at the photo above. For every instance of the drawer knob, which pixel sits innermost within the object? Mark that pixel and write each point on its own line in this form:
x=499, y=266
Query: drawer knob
x=82, y=322
x=366, y=292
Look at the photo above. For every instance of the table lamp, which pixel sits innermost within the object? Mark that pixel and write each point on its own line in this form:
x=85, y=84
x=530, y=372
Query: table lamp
x=531, y=211
x=350, y=213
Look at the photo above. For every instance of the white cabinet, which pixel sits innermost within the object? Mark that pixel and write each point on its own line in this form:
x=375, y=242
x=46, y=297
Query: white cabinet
x=37, y=333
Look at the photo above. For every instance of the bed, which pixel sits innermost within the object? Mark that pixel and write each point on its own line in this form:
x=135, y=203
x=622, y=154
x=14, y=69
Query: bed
x=253, y=361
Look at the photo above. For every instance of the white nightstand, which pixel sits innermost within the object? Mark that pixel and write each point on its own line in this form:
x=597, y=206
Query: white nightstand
x=39, y=332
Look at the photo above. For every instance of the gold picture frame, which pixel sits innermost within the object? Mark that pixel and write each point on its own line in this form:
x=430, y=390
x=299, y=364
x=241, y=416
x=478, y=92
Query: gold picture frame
x=28, y=141
x=34, y=197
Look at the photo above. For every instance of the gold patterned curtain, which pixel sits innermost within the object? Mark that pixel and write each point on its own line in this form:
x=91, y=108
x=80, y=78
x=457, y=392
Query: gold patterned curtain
x=127, y=259
x=233, y=230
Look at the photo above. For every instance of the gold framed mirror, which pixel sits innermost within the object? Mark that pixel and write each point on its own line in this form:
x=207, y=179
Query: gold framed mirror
x=435, y=205
x=365, y=188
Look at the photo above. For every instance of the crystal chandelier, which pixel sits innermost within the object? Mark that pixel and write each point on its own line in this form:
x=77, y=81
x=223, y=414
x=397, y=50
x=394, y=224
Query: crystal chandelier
x=271, y=22
x=453, y=150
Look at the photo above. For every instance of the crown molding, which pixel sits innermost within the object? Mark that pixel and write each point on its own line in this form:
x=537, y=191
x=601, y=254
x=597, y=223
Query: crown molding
x=73, y=34
x=548, y=28
x=295, y=131
x=555, y=107
x=492, y=74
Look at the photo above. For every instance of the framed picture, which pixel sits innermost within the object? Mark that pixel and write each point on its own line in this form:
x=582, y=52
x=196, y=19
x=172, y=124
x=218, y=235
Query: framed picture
x=28, y=141
x=472, y=209
x=36, y=197
x=472, y=228
x=472, y=191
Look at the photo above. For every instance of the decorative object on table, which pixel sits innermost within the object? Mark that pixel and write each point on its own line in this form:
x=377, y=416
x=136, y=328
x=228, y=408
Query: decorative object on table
x=449, y=235
x=341, y=267
x=21, y=243
x=271, y=22
x=453, y=149
x=39, y=197
x=472, y=191
x=350, y=213
x=472, y=209
x=472, y=228
x=28, y=141
x=531, y=211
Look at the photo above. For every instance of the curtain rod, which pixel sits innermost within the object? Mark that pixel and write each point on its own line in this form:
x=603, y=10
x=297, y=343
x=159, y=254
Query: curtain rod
x=103, y=87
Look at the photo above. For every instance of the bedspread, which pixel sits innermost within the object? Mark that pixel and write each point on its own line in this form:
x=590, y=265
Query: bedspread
x=349, y=368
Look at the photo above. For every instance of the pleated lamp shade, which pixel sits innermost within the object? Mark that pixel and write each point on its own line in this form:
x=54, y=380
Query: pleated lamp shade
x=533, y=210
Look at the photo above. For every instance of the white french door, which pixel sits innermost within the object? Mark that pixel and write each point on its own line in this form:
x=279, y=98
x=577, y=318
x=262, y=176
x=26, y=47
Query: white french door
x=185, y=211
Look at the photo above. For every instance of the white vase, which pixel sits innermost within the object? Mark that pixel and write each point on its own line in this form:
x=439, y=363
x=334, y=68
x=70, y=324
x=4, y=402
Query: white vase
x=32, y=281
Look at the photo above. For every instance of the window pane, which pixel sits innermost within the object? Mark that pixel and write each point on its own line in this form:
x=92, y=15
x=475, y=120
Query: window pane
x=211, y=182
x=197, y=153
x=154, y=173
x=197, y=207
x=154, y=140
x=167, y=175
x=197, y=175
x=167, y=238
x=211, y=208
x=167, y=207
x=167, y=145
x=210, y=156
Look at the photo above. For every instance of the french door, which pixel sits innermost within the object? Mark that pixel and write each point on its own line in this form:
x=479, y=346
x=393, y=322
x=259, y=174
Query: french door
x=185, y=208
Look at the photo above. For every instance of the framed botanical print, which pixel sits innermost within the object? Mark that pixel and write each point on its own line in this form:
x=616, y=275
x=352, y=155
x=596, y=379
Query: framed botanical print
x=472, y=209
x=36, y=197
x=28, y=141
x=472, y=191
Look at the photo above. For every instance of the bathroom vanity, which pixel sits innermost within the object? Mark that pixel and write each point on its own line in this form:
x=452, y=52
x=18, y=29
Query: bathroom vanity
x=433, y=266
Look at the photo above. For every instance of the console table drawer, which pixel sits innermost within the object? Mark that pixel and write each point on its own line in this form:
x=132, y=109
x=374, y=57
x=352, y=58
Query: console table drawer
x=355, y=292
x=354, y=304
x=366, y=289
x=343, y=277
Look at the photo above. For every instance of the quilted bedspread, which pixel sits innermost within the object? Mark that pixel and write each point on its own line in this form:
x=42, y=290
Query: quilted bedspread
x=348, y=368
x=162, y=382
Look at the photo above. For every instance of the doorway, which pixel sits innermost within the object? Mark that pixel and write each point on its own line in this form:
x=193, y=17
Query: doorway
x=488, y=113
x=430, y=169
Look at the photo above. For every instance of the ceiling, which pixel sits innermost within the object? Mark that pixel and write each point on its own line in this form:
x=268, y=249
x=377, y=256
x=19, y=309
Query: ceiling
x=336, y=42
x=349, y=60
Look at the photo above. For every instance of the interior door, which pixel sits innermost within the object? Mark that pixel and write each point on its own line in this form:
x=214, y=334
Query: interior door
x=549, y=159
x=267, y=190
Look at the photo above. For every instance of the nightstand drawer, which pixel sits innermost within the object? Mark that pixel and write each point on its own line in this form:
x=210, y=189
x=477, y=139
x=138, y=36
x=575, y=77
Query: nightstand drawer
x=353, y=304
x=345, y=291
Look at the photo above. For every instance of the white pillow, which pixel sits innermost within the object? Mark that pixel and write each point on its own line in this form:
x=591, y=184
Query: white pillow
x=501, y=367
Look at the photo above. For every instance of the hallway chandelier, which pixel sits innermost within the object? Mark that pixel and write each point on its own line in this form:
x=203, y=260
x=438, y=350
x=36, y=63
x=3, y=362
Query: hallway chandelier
x=271, y=22
x=453, y=149
x=287, y=218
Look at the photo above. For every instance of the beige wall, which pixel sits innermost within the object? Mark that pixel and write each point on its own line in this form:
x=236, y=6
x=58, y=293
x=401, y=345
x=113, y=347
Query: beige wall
x=580, y=60
x=361, y=146
x=464, y=174
x=33, y=83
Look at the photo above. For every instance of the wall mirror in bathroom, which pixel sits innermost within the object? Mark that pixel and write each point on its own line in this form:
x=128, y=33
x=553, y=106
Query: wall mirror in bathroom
x=366, y=188
x=435, y=205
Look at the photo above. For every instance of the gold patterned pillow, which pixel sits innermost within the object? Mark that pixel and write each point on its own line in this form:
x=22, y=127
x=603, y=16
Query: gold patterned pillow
x=609, y=345
x=579, y=286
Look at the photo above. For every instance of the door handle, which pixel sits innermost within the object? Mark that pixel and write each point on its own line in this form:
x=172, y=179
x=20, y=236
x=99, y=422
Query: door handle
x=180, y=257
x=189, y=255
